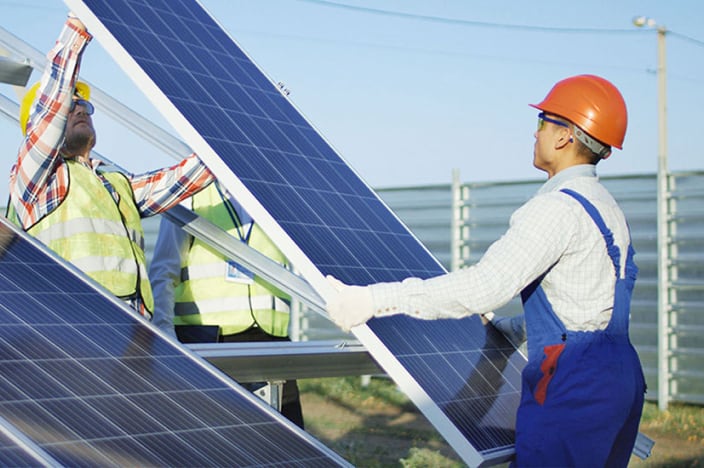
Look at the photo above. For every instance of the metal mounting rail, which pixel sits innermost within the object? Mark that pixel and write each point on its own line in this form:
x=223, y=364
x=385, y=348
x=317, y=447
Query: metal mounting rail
x=272, y=361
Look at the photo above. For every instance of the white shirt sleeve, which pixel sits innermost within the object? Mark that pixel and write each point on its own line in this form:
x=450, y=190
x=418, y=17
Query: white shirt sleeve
x=539, y=234
x=165, y=272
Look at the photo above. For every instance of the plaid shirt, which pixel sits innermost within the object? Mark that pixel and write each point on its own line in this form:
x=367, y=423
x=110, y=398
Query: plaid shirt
x=39, y=180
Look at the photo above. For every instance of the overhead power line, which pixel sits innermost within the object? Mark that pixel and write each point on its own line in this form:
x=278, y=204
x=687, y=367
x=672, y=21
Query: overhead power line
x=463, y=22
x=484, y=24
x=685, y=38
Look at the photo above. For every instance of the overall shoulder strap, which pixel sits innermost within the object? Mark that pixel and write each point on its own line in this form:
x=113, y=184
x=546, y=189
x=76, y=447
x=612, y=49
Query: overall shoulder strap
x=612, y=249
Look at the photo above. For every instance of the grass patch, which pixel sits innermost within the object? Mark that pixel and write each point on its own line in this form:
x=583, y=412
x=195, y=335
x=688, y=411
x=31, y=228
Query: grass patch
x=378, y=390
x=682, y=421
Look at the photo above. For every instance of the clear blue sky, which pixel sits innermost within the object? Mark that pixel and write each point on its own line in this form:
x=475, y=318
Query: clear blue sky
x=407, y=90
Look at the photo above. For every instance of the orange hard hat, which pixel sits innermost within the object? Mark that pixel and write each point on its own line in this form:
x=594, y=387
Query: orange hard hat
x=591, y=103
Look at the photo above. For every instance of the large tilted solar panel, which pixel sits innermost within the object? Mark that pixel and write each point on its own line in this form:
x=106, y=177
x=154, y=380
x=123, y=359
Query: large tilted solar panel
x=465, y=378
x=87, y=383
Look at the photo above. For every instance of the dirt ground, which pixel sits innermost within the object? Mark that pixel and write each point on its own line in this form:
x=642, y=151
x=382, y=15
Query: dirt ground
x=377, y=434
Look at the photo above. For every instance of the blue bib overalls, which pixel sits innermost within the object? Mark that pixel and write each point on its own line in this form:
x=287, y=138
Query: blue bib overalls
x=583, y=392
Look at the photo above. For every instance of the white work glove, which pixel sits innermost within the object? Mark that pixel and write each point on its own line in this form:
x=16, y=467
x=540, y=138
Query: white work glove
x=351, y=306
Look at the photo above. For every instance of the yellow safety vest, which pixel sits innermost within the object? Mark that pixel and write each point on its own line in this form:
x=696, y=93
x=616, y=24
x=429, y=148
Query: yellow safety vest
x=103, y=239
x=206, y=296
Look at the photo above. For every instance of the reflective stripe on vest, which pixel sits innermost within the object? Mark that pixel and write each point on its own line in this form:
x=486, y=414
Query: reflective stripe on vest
x=223, y=304
x=86, y=225
x=206, y=297
x=103, y=239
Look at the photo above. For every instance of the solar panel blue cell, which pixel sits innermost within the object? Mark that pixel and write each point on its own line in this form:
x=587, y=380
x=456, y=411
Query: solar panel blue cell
x=71, y=342
x=304, y=195
x=120, y=451
x=71, y=309
x=112, y=390
x=72, y=375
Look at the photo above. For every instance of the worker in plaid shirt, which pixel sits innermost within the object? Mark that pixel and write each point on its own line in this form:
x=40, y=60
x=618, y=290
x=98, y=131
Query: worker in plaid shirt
x=68, y=200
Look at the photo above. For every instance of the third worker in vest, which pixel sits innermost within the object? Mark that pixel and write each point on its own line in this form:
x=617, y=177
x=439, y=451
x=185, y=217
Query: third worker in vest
x=194, y=285
x=568, y=253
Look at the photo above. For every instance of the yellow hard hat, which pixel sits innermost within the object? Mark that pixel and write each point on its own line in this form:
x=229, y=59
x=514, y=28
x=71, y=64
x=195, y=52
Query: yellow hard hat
x=82, y=91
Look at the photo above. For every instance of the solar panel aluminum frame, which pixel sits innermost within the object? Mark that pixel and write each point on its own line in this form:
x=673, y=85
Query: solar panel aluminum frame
x=285, y=243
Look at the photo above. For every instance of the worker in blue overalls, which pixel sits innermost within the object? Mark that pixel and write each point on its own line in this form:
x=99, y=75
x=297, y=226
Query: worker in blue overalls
x=568, y=253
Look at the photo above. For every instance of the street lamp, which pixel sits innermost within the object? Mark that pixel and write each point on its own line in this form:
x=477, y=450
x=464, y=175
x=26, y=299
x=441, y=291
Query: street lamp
x=662, y=213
